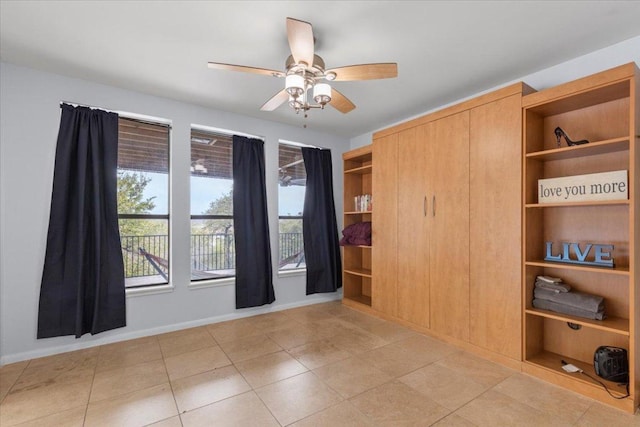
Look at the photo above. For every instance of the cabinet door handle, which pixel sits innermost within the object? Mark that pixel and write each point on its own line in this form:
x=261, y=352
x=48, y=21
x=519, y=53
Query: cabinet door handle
x=424, y=206
x=433, y=205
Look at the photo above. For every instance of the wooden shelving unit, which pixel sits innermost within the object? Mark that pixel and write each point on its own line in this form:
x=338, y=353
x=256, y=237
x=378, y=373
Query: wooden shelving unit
x=356, y=259
x=603, y=109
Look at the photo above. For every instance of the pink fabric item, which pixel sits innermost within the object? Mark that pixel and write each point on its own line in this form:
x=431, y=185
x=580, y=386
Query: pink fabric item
x=358, y=234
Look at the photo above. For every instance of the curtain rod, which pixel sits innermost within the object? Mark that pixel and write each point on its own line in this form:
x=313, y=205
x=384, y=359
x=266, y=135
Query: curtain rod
x=300, y=144
x=224, y=132
x=132, y=116
x=76, y=104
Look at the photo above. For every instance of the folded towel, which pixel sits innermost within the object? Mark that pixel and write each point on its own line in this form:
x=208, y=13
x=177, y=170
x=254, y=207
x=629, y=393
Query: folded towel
x=567, y=309
x=549, y=279
x=557, y=287
x=579, y=300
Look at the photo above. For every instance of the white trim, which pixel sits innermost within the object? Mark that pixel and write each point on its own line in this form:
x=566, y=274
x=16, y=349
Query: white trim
x=297, y=144
x=245, y=312
x=145, y=118
x=149, y=290
x=292, y=272
x=223, y=131
x=212, y=283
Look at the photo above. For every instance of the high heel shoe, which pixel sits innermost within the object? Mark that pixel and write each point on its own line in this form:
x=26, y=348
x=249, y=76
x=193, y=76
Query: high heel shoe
x=560, y=133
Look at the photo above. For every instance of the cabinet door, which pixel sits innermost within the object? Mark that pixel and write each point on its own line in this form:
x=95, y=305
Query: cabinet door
x=384, y=238
x=413, y=243
x=495, y=239
x=449, y=228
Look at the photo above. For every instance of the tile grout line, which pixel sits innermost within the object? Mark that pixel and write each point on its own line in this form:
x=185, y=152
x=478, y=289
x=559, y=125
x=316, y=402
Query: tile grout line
x=93, y=378
x=15, y=381
x=173, y=394
x=536, y=409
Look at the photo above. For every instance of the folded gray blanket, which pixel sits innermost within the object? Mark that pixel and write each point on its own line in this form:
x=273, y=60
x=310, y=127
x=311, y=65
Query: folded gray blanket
x=567, y=309
x=558, y=287
x=579, y=300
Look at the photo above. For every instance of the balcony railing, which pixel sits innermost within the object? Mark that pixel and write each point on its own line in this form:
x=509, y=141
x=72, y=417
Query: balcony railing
x=291, y=251
x=135, y=263
x=211, y=252
x=149, y=255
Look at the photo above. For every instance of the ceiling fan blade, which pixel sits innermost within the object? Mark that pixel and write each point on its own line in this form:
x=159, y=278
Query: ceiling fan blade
x=300, y=35
x=341, y=102
x=276, y=100
x=242, y=68
x=365, y=72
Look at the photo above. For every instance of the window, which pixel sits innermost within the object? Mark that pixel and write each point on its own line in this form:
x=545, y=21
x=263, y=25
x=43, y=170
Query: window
x=143, y=201
x=291, y=188
x=212, y=239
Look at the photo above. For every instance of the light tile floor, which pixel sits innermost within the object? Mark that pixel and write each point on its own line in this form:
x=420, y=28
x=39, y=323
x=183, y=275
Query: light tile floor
x=319, y=365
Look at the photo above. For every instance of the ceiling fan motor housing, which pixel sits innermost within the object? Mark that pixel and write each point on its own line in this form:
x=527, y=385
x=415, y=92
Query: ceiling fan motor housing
x=315, y=70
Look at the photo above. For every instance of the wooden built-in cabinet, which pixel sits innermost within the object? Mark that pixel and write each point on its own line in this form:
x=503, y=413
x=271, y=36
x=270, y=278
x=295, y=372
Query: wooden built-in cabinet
x=603, y=109
x=412, y=268
x=421, y=223
x=459, y=235
x=447, y=224
x=356, y=269
x=495, y=225
x=385, y=226
x=449, y=228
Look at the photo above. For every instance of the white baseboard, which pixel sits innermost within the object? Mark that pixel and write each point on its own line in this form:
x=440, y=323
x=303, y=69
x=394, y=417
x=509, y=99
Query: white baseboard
x=49, y=351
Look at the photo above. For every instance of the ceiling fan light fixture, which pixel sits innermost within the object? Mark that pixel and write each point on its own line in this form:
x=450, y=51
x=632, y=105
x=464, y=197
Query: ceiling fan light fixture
x=322, y=93
x=304, y=70
x=294, y=83
x=295, y=103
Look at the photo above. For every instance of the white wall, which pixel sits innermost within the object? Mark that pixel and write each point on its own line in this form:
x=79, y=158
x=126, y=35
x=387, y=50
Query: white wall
x=594, y=62
x=29, y=121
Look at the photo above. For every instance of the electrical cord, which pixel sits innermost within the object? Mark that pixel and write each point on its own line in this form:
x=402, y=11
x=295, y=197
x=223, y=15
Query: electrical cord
x=603, y=384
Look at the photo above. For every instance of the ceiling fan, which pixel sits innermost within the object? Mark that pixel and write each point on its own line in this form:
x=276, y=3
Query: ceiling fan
x=305, y=74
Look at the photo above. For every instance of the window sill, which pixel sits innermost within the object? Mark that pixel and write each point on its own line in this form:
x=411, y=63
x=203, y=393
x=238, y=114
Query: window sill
x=212, y=283
x=149, y=290
x=293, y=272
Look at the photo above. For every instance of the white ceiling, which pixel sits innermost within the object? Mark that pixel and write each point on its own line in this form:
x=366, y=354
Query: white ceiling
x=445, y=50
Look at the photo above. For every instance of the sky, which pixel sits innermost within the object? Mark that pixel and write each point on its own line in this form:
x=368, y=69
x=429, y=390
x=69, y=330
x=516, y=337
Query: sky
x=206, y=190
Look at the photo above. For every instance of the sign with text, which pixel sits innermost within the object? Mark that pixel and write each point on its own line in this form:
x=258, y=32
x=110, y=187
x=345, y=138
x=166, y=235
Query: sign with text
x=584, y=188
x=574, y=254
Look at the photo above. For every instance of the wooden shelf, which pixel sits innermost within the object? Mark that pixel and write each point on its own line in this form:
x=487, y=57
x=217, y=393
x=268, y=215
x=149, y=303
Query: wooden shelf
x=358, y=213
x=363, y=272
x=360, y=299
x=612, y=84
x=603, y=109
x=590, y=149
x=573, y=204
x=614, y=325
x=360, y=170
x=624, y=271
x=553, y=362
x=356, y=259
x=359, y=155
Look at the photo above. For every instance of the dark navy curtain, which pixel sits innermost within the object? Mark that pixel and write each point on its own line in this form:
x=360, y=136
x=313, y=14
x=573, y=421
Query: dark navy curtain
x=254, y=283
x=319, y=226
x=82, y=289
